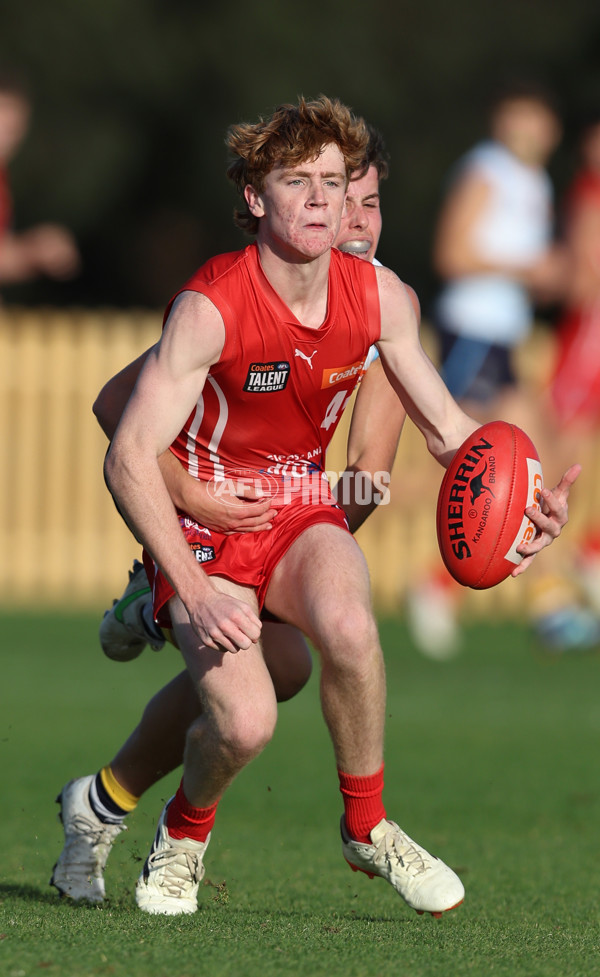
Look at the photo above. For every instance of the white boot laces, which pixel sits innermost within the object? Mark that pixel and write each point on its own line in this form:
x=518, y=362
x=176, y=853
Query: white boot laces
x=396, y=847
x=178, y=867
x=97, y=833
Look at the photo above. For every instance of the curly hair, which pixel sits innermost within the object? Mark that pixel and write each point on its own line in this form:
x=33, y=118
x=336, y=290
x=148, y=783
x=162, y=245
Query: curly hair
x=292, y=135
x=376, y=155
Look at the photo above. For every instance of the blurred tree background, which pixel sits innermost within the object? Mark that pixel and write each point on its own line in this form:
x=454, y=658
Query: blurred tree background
x=132, y=99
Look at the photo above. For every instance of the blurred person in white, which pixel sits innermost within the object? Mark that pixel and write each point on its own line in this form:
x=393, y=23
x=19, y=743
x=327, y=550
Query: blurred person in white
x=494, y=248
x=45, y=249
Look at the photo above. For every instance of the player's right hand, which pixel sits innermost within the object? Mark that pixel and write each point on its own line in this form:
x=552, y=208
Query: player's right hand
x=226, y=624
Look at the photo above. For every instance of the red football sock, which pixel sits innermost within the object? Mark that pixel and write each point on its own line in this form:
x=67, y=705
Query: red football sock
x=186, y=821
x=363, y=803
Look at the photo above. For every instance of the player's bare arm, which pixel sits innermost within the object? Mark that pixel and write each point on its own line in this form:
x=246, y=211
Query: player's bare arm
x=413, y=376
x=456, y=251
x=47, y=249
x=168, y=387
x=437, y=415
x=375, y=428
x=110, y=402
x=189, y=494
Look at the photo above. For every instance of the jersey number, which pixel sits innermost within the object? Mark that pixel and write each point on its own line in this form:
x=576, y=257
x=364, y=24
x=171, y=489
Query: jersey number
x=335, y=408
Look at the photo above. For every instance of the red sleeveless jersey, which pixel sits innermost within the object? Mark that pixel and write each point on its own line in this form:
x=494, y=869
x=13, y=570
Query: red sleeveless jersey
x=273, y=400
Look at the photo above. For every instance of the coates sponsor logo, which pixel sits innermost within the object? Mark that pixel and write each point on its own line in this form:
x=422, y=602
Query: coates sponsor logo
x=340, y=373
x=203, y=553
x=267, y=378
x=242, y=487
x=466, y=477
x=527, y=530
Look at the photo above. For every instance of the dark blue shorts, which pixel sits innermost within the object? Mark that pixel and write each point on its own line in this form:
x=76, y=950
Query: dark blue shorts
x=473, y=369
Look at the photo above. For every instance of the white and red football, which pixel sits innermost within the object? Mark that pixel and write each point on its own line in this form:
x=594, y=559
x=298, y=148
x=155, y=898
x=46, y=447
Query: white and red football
x=494, y=475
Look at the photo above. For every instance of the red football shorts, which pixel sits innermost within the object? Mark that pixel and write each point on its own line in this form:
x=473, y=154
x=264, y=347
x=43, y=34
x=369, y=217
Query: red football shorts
x=245, y=558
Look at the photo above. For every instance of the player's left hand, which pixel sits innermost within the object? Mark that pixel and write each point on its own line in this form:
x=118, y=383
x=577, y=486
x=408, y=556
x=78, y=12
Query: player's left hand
x=549, y=521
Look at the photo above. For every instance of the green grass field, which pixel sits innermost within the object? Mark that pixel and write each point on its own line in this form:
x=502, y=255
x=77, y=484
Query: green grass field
x=492, y=762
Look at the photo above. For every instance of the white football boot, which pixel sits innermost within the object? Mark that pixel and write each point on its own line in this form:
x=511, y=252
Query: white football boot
x=168, y=884
x=424, y=882
x=79, y=871
x=123, y=631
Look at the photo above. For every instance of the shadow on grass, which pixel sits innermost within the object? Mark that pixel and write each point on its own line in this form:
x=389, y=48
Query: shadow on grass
x=30, y=894
x=50, y=897
x=264, y=915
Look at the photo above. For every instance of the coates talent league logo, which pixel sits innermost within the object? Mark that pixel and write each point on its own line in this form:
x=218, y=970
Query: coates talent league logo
x=267, y=378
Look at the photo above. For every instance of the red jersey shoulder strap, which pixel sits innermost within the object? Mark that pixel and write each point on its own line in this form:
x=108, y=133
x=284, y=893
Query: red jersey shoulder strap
x=363, y=273
x=372, y=299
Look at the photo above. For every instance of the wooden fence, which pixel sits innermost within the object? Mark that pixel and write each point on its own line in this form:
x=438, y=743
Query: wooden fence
x=62, y=542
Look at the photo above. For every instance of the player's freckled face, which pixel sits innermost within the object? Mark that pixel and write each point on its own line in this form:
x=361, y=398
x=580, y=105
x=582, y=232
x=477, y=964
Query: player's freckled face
x=301, y=207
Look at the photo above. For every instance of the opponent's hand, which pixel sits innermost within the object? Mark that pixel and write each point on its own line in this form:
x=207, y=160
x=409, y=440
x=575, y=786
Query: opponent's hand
x=244, y=511
x=231, y=506
x=225, y=623
x=549, y=521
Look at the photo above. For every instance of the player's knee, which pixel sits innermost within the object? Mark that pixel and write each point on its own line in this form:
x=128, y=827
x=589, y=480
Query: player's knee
x=350, y=631
x=248, y=737
x=246, y=731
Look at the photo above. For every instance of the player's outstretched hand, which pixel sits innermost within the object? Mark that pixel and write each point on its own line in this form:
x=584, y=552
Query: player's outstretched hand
x=226, y=624
x=550, y=520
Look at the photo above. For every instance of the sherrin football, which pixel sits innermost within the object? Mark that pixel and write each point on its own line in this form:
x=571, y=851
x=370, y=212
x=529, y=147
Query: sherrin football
x=494, y=475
